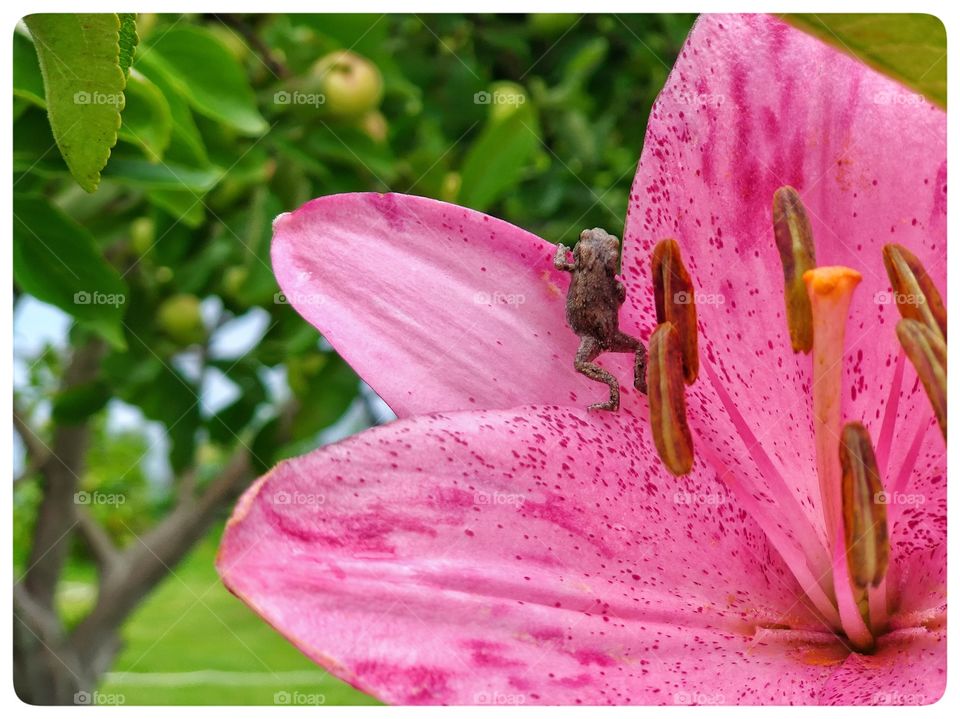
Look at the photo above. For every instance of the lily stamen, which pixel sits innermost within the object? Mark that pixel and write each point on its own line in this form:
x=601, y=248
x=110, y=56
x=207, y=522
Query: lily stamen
x=916, y=297
x=791, y=229
x=674, y=297
x=668, y=409
x=927, y=351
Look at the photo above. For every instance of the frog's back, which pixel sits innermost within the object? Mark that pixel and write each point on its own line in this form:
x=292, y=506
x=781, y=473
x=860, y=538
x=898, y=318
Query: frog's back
x=593, y=302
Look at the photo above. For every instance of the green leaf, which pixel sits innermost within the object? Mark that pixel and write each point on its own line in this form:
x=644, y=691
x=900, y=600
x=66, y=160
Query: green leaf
x=186, y=144
x=73, y=405
x=27, y=79
x=147, y=121
x=128, y=39
x=183, y=205
x=165, y=176
x=83, y=81
x=910, y=48
x=57, y=261
x=205, y=72
x=496, y=160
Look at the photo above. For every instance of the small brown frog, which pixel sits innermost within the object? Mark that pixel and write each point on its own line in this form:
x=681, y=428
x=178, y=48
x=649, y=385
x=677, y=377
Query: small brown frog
x=593, y=309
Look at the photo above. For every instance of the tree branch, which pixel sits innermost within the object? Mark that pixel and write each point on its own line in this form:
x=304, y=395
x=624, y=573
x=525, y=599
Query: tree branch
x=256, y=44
x=151, y=558
x=105, y=552
x=56, y=516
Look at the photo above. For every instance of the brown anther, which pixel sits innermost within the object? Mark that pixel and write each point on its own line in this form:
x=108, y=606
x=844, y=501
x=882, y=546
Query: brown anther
x=914, y=293
x=674, y=296
x=791, y=230
x=668, y=406
x=927, y=351
x=864, y=508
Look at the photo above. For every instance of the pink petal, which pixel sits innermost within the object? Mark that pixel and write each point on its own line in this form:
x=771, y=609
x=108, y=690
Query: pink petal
x=437, y=307
x=535, y=555
x=917, y=516
x=908, y=668
x=751, y=105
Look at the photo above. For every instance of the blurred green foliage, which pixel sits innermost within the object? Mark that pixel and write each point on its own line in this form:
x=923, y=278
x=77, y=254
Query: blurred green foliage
x=227, y=121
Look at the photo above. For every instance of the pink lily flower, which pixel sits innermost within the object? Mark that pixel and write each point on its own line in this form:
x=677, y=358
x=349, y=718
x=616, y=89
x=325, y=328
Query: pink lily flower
x=501, y=544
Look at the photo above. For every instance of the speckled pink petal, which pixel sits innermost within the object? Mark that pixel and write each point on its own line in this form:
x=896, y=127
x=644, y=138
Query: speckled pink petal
x=535, y=555
x=917, y=515
x=751, y=105
x=437, y=307
x=908, y=668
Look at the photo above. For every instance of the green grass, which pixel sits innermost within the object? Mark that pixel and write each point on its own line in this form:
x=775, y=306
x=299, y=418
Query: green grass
x=192, y=642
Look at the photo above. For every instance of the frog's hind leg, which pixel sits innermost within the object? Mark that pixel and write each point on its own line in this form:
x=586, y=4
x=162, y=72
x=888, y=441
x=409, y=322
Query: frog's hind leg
x=588, y=351
x=625, y=343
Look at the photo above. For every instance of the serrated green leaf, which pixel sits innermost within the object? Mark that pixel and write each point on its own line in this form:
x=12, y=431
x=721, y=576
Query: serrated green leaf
x=205, y=72
x=57, y=261
x=128, y=39
x=909, y=47
x=147, y=121
x=83, y=87
x=494, y=163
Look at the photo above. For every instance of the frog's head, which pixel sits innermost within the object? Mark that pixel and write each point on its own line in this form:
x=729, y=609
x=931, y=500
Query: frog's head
x=598, y=246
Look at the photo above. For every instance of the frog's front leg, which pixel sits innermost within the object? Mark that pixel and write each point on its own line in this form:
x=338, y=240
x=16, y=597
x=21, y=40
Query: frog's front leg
x=623, y=342
x=588, y=351
x=560, y=259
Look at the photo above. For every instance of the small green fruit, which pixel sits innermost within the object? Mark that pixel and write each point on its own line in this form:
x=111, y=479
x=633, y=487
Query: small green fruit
x=180, y=319
x=351, y=85
x=143, y=233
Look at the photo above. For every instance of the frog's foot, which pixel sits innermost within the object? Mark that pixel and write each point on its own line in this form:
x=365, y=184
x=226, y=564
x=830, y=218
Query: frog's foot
x=611, y=405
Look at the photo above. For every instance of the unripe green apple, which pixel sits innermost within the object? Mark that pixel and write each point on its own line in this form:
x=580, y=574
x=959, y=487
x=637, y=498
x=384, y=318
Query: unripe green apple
x=143, y=232
x=352, y=85
x=180, y=319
